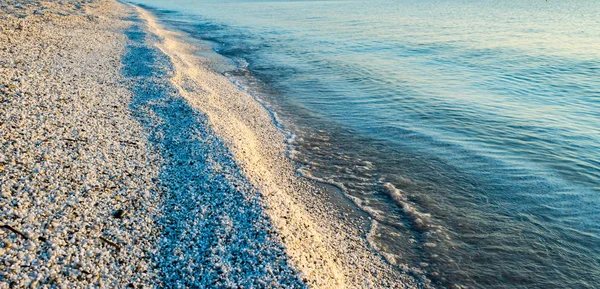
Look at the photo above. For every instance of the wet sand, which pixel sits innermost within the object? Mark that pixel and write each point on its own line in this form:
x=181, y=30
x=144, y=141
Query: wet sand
x=126, y=161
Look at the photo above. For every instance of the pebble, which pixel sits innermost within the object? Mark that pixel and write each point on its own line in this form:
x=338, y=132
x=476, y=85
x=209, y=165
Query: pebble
x=119, y=214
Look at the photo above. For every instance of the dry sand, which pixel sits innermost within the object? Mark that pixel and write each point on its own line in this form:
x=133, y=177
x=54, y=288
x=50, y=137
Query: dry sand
x=70, y=153
x=126, y=161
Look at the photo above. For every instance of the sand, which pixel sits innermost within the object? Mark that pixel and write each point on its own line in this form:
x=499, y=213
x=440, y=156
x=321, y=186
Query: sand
x=70, y=153
x=126, y=161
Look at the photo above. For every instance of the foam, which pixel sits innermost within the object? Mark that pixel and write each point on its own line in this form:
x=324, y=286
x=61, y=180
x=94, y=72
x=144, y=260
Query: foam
x=421, y=221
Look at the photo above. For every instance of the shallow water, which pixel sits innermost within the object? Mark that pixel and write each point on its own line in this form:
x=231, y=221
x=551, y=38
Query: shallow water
x=468, y=130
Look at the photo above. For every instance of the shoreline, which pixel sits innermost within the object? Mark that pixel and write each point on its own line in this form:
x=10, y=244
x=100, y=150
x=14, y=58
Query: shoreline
x=260, y=148
x=203, y=149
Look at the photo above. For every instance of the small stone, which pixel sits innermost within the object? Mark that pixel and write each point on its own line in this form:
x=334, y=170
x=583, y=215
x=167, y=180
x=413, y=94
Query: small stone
x=119, y=214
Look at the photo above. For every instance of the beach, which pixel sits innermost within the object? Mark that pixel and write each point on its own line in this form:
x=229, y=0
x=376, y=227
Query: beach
x=126, y=161
x=465, y=132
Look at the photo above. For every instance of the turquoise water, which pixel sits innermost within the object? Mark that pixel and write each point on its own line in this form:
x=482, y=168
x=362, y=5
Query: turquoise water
x=468, y=130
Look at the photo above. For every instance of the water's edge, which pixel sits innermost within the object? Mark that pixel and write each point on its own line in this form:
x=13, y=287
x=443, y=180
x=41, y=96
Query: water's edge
x=291, y=202
x=455, y=150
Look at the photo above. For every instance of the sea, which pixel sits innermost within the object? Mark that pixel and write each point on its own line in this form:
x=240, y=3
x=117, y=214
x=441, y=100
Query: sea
x=467, y=130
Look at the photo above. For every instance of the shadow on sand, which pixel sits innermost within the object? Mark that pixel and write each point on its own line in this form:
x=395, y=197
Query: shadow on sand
x=214, y=230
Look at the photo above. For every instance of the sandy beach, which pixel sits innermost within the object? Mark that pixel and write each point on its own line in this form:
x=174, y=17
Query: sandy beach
x=125, y=161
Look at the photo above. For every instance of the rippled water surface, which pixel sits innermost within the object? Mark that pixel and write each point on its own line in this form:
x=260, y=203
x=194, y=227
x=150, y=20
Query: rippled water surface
x=468, y=130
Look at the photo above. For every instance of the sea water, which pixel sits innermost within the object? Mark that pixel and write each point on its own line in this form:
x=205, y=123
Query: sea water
x=469, y=131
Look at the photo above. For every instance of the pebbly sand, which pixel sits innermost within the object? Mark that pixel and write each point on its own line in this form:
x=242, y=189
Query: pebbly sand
x=126, y=162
